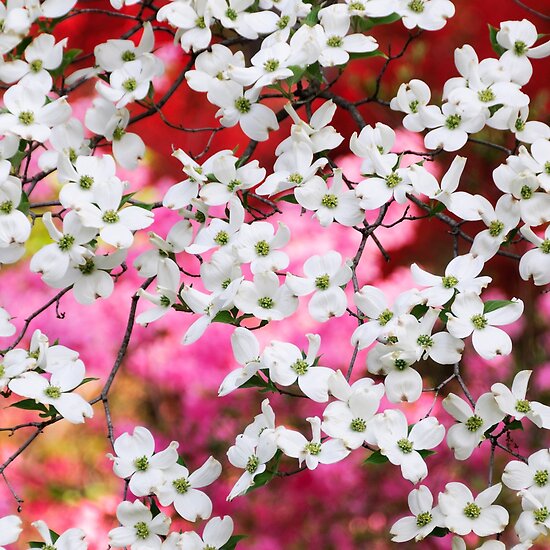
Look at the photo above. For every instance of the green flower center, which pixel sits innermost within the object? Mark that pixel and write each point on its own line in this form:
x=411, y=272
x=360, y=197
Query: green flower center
x=130, y=84
x=111, y=216
x=356, y=6
x=496, y=228
x=313, y=448
x=452, y=122
x=541, y=477
x=416, y=5
x=400, y=364
x=486, y=95
x=142, y=530
x=128, y=56
x=226, y=283
x=449, y=281
x=222, y=238
x=26, y=118
x=523, y=406
x=413, y=106
x=322, y=282
x=474, y=423
x=65, y=242
x=472, y=510
x=405, y=445
x=519, y=125
x=385, y=317
x=252, y=464
x=231, y=14
x=479, y=321
x=283, y=22
x=392, y=340
x=165, y=301
x=200, y=22
x=423, y=519
x=118, y=133
x=271, y=65
x=300, y=367
x=425, y=341
x=335, y=42
x=181, y=485
x=393, y=180
x=541, y=514
x=295, y=178
x=545, y=246
x=266, y=302
x=520, y=47
x=526, y=192
x=547, y=167
x=242, y=105
x=85, y=182
x=2, y=371
x=141, y=463
x=200, y=216
x=262, y=248
x=233, y=184
x=329, y=201
x=36, y=65
x=6, y=207
x=358, y=425
x=53, y=392
x=88, y=267
x=48, y=547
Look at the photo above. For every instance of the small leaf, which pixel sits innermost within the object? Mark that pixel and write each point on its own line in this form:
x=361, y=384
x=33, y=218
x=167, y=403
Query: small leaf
x=30, y=405
x=68, y=57
x=288, y=198
x=419, y=310
x=24, y=203
x=376, y=458
x=515, y=425
x=363, y=55
x=312, y=17
x=492, y=305
x=426, y=452
x=439, y=532
x=498, y=49
x=365, y=24
x=297, y=76
x=232, y=542
x=224, y=317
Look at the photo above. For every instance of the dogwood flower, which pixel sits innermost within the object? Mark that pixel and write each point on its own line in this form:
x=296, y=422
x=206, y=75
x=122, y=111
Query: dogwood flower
x=56, y=391
x=136, y=459
x=53, y=260
x=469, y=432
x=461, y=274
x=29, y=115
x=232, y=14
x=431, y=15
x=287, y=365
x=216, y=534
x=139, y=529
x=533, y=475
x=463, y=513
x=115, y=224
x=10, y=527
x=246, y=351
x=535, y=263
x=337, y=203
x=426, y=517
x=324, y=275
x=513, y=402
x=389, y=431
x=312, y=452
x=265, y=298
x=412, y=98
x=72, y=539
x=181, y=489
x=469, y=317
x=376, y=191
x=348, y=418
x=535, y=518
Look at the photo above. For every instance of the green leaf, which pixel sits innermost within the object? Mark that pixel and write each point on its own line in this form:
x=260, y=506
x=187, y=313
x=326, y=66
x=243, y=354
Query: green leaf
x=224, y=317
x=314, y=72
x=439, y=532
x=515, y=425
x=363, y=55
x=68, y=57
x=288, y=198
x=376, y=458
x=312, y=18
x=436, y=209
x=155, y=510
x=24, y=203
x=492, y=305
x=232, y=542
x=419, y=310
x=265, y=477
x=126, y=198
x=143, y=205
x=30, y=405
x=298, y=73
x=426, y=452
x=498, y=49
x=85, y=381
x=365, y=24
